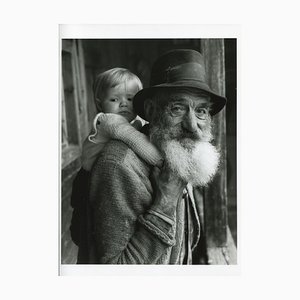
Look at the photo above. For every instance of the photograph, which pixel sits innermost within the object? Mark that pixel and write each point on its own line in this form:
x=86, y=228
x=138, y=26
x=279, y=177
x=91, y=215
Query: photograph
x=148, y=151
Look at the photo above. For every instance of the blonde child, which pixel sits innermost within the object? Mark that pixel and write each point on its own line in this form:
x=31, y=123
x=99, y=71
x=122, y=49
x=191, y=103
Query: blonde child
x=114, y=90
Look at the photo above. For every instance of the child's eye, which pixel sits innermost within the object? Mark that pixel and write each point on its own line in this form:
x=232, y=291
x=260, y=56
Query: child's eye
x=113, y=100
x=129, y=99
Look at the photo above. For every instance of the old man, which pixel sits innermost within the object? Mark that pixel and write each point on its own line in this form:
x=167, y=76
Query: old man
x=146, y=215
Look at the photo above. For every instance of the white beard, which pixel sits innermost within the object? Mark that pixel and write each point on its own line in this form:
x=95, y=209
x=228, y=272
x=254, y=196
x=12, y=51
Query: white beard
x=196, y=166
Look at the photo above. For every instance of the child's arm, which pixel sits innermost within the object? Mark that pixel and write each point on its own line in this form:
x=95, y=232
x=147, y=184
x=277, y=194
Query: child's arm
x=117, y=127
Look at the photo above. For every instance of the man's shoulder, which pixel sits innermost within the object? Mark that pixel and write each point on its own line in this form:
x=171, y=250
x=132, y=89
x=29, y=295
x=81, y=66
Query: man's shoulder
x=116, y=162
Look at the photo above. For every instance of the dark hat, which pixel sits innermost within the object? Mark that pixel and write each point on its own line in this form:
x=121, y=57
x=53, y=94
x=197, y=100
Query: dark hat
x=181, y=68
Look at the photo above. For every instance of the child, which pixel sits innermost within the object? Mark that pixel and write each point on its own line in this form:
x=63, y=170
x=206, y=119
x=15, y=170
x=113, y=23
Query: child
x=114, y=91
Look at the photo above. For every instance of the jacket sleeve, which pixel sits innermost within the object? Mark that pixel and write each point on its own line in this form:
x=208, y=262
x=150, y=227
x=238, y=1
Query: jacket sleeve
x=126, y=229
x=137, y=141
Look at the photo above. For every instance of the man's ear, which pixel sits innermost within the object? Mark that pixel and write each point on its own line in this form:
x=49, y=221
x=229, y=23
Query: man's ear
x=149, y=108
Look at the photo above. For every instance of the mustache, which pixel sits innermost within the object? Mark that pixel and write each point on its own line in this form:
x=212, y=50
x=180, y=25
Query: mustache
x=181, y=133
x=185, y=134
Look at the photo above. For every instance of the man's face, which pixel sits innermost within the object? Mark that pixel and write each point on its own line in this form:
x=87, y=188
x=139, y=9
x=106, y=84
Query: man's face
x=186, y=116
x=181, y=128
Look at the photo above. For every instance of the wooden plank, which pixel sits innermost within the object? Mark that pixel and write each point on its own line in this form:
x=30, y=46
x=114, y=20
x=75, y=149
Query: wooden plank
x=71, y=161
x=215, y=196
x=66, y=218
x=81, y=92
x=216, y=256
x=70, y=96
x=74, y=93
x=226, y=255
x=231, y=248
x=67, y=44
x=91, y=107
x=69, y=250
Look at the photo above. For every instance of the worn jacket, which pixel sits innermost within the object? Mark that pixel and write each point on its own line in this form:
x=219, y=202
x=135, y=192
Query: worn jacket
x=124, y=229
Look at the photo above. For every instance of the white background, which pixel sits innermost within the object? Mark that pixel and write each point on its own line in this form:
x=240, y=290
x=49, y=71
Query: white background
x=268, y=150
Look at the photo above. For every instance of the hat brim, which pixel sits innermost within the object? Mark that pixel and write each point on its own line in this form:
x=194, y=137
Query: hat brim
x=146, y=93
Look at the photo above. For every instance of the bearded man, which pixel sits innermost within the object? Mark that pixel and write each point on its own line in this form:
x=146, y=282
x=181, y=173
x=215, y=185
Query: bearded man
x=146, y=215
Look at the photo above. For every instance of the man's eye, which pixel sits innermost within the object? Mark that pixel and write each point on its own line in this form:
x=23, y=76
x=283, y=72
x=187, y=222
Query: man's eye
x=201, y=112
x=177, y=109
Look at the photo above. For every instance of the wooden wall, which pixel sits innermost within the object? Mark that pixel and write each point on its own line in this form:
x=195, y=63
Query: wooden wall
x=219, y=242
x=231, y=132
x=75, y=125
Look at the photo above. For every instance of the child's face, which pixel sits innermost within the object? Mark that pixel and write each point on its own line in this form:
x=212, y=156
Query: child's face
x=118, y=100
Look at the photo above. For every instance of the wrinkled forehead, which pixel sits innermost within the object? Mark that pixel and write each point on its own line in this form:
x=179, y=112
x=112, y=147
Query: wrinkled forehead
x=189, y=97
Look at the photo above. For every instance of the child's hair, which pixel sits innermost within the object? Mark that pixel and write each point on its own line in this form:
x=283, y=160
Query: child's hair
x=110, y=79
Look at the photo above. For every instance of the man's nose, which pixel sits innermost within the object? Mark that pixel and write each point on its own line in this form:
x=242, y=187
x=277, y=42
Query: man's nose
x=190, y=122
